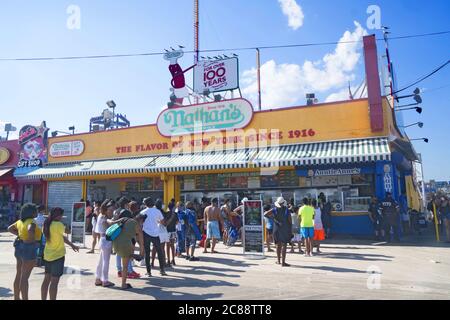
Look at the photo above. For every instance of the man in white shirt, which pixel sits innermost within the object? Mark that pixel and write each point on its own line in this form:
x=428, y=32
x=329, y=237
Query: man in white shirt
x=151, y=232
x=40, y=219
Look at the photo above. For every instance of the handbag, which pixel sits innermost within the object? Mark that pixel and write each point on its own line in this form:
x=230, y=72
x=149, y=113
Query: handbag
x=113, y=231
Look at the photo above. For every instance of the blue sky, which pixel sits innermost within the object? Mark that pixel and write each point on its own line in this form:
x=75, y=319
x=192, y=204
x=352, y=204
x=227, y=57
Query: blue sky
x=68, y=93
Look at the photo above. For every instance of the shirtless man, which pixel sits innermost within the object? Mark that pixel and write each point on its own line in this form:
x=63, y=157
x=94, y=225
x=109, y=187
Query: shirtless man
x=213, y=221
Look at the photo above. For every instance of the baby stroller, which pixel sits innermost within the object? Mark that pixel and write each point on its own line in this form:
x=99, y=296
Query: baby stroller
x=234, y=231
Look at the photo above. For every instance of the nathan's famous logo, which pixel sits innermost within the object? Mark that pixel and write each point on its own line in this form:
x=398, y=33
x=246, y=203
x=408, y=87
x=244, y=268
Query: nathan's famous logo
x=223, y=115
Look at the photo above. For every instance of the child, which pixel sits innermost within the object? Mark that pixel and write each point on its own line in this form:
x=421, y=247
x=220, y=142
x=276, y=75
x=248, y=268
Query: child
x=319, y=232
x=306, y=214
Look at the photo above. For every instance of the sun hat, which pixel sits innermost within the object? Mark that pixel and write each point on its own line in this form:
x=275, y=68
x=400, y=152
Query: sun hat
x=280, y=201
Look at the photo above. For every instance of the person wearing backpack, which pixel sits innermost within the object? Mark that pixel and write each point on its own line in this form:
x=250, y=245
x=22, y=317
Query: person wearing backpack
x=26, y=245
x=123, y=243
x=103, y=222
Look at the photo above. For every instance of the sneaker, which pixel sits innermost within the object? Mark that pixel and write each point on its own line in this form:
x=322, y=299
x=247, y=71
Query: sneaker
x=148, y=274
x=306, y=255
x=135, y=274
x=311, y=254
x=188, y=258
x=163, y=273
x=132, y=275
x=194, y=259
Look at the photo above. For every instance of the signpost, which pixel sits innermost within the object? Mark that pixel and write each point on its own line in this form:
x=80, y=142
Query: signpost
x=216, y=75
x=78, y=225
x=253, y=236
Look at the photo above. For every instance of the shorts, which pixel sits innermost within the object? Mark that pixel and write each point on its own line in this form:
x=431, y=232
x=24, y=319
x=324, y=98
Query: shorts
x=307, y=233
x=173, y=236
x=191, y=240
x=164, y=237
x=212, y=230
x=26, y=251
x=297, y=237
x=55, y=268
x=319, y=235
x=269, y=231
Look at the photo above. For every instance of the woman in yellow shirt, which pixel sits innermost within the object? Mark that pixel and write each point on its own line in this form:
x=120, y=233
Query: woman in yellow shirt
x=54, y=252
x=26, y=245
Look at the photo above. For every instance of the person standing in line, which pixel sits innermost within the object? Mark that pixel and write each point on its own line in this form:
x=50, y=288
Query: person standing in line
x=171, y=219
x=295, y=230
x=306, y=214
x=124, y=245
x=225, y=211
x=376, y=217
x=104, y=220
x=192, y=231
x=26, y=244
x=390, y=210
x=95, y=235
x=319, y=233
x=40, y=219
x=122, y=204
x=269, y=228
x=88, y=216
x=282, y=229
x=181, y=228
x=151, y=231
x=163, y=234
x=213, y=221
x=326, y=208
x=54, y=253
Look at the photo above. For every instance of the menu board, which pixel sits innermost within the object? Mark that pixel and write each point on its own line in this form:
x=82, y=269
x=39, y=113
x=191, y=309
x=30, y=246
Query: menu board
x=254, y=182
x=269, y=181
x=132, y=186
x=288, y=178
x=239, y=182
x=146, y=184
x=189, y=183
x=158, y=184
x=324, y=181
x=223, y=181
x=206, y=182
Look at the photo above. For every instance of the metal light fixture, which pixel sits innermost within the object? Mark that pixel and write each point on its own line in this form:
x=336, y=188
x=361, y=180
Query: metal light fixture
x=419, y=124
x=423, y=139
x=9, y=128
x=418, y=109
x=111, y=104
x=416, y=95
x=72, y=128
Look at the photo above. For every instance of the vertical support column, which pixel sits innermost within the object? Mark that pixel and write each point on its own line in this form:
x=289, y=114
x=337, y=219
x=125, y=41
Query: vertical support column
x=84, y=190
x=171, y=188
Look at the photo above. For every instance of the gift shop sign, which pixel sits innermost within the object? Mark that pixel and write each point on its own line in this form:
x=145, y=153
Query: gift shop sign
x=206, y=117
x=66, y=149
x=215, y=76
x=33, y=146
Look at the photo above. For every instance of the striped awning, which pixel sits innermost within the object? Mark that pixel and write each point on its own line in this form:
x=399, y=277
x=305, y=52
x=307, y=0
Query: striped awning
x=348, y=151
x=88, y=168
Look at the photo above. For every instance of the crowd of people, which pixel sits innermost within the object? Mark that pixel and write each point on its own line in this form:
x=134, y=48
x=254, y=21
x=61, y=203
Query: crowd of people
x=141, y=232
x=440, y=203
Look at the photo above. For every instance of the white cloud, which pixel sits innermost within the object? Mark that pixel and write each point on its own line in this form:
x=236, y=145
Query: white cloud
x=293, y=12
x=285, y=84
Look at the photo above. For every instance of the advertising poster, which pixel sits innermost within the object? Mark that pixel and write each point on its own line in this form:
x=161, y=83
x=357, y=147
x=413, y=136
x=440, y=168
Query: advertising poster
x=216, y=75
x=253, y=227
x=78, y=225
